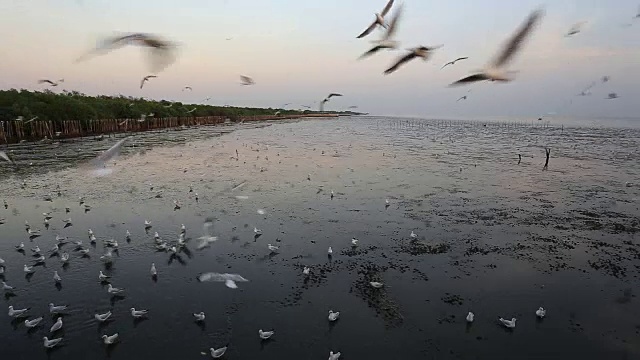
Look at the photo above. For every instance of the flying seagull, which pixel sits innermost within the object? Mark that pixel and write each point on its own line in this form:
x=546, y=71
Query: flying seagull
x=245, y=80
x=462, y=98
x=145, y=79
x=332, y=95
x=612, y=96
x=495, y=70
x=421, y=51
x=192, y=110
x=386, y=41
x=161, y=51
x=46, y=81
x=453, y=62
x=379, y=20
x=576, y=28
x=187, y=87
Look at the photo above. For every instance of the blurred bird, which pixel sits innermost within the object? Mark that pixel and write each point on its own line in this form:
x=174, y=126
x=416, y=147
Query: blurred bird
x=145, y=79
x=245, y=80
x=421, y=51
x=453, y=62
x=379, y=20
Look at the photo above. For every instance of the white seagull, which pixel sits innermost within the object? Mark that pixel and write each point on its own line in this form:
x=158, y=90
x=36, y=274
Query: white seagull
x=495, y=70
x=114, y=291
x=57, y=325
x=110, y=340
x=6, y=287
x=64, y=257
x=508, y=323
x=56, y=277
x=386, y=41
x=379, y=20
x=153, y=271
x=17, y=313
x=51, y=343
x=217, y=353
x=354, y=242
x=334, y=356
x=306, y=270
x=330, y=251
x=33, y=323
x=29, y=269
x=376, y=284
x=147, y=224
x=102, y=317
x=272, y=248
x=264, y=335
x=56, y=309
x=257, y=231
x=333, y=316
x=470, y=317
x=541, y=312
x=413, y=235
x=138, y=313
x=229, y=279
x=199, y=316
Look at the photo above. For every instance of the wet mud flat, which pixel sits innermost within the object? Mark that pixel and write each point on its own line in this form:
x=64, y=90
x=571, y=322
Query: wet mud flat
x=493, y=237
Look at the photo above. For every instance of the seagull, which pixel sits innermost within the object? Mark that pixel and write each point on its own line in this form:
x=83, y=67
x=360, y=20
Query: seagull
x=145, y=79
x=6, y=287
x=39, y=260
x=110, y=340
x=33, y=323
x=333, y=316
x=376, y=285
x=354, y=242
x=334, y=356
x=36, y=250
x=217, y=353
x=454, y=62
x=541, y=312
x=90, y=232
x=57, y=325
x=64, y=257
x=56, y=277
x=56, y=309
x=612, y=96
x=29, y=269
x=462, y=98
x=154, y=272
x=102, y=317
x=495, y=70
x=199, y=316
x=576, y=28
x=161, y=51
x=17, y=313
x=128, y=236
x=330, y=251
x=421, y=51
x=183, y=229
x=245, y=80
x=138, y=313
x=67, y=221
x=413, y=235
x=33, y=233
x=187, y=87
x=508, y=323
x=84, y=252
x=51, y=343
x=257, y=231
x=46, y=81
x=114, y=291
x=386, y=41
x=378, y=21
x=306, y=270
x=20, y=247
x=147, y=224
x=229, y=279
x=264, y=335
x=5, y=157
x=272, y=248
x=470, y=317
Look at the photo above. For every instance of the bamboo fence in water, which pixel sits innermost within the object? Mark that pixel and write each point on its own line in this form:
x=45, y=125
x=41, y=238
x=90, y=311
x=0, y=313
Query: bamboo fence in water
x=15, y=131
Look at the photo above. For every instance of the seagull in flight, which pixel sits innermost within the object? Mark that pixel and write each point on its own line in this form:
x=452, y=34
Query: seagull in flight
x=454, y=62
x=612, y=96
x=379, y=20
x=386, y=41
x=46, y=81
x=145, y=79
x=576, y=28
x=421, y=51
x=462, y=98
x=192, y=110
x=495, y=70
x=187, y=87
x=161, y=51
x=246, y=81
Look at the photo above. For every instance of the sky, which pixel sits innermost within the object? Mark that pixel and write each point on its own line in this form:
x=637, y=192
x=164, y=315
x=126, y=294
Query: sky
x=298, y=51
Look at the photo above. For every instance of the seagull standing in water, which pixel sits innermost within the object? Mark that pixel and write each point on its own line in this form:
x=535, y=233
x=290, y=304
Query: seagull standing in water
x=334, y=356
x=51, y=343
x=495, y=71
x=264, y=335
x=470, y=317
x=509, y=324
x=110, y=340
x=379, y=20
x=217, y=353
x=199, y=316
x=333, y=316
x=423, y=52
x=541, y=312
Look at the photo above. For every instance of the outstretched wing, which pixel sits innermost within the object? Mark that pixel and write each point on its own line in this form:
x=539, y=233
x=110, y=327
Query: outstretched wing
x=368, y=30
x=469, y=79
x=387, y=8
x=400, y=62
x=516, y=41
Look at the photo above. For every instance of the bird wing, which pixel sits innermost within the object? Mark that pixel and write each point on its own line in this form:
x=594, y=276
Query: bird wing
x=371, y=51
x=142, y=82
x=515, y=43
x=471, y=78
x=109, y=154
x=45, y=81
x=387, y=8
x=447, y=64
x=400, y=62
x=332, y=95
x=393, y=26
x=368, y=30
x=4, y=156
x=460, y=58
x=211, y=276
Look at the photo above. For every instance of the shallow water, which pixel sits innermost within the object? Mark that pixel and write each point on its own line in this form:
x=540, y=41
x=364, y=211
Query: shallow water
x=494, y=237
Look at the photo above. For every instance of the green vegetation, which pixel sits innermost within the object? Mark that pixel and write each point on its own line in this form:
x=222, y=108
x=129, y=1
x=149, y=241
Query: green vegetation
x=47, y=105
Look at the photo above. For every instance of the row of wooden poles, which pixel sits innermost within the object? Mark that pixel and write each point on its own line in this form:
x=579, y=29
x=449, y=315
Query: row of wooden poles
x=15, y=131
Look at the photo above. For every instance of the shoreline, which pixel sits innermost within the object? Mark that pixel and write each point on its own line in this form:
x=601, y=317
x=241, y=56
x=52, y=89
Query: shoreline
x=14, y=132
